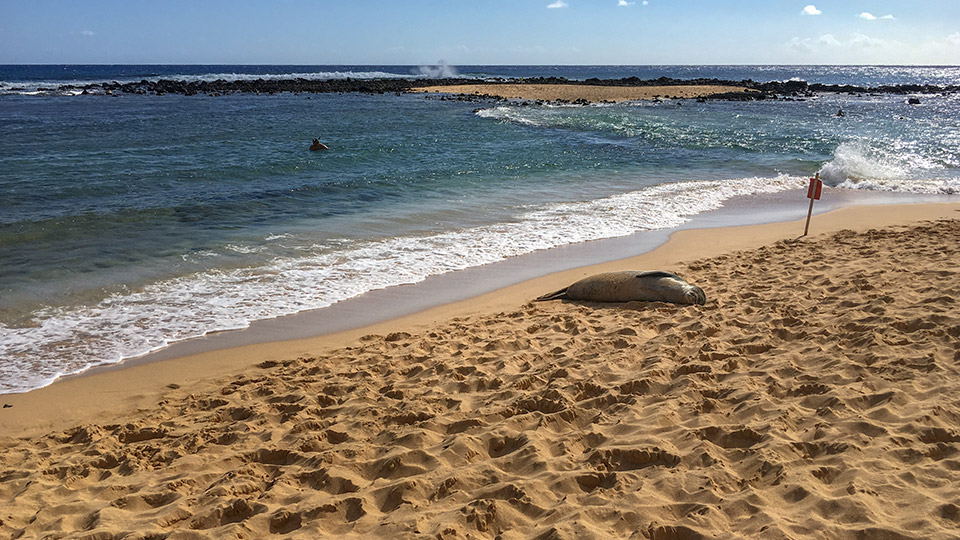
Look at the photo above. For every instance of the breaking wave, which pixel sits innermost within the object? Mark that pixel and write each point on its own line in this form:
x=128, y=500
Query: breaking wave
x=858, y=165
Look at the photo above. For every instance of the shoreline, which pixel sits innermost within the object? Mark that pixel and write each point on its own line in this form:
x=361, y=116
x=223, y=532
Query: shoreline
x=399, y=301
x=396, y=301
x=110, y=391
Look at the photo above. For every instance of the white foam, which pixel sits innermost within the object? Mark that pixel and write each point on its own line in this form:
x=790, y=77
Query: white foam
x=245, y=249
x=124, y=326
x=858, y=165
x=934, y=186
x=508, y=114
x=441, y=70
x=855, y=161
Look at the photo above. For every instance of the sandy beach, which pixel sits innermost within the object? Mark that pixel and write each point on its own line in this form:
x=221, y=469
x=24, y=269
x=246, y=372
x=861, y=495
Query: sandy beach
x=814, y=395
x=591, y=93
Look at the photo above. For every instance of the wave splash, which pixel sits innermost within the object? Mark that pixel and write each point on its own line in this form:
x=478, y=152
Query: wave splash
x=858, y=165
x=69, y=340
x=441, y=70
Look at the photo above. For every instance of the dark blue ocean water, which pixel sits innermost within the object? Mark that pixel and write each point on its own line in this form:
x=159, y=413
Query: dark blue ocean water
x=130, y=222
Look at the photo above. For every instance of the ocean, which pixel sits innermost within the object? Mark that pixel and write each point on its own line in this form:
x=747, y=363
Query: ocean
x=131, y=222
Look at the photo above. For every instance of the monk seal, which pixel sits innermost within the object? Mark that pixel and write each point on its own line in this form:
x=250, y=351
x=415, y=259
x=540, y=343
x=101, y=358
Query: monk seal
x=628, y=286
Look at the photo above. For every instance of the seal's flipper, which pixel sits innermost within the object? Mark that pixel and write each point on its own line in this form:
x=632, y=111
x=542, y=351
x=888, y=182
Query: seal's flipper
x=700, y=296
x=556, y=295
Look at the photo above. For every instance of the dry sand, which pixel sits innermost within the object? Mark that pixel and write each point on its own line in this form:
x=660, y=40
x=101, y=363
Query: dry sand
x=814, y=395
x=573, y=92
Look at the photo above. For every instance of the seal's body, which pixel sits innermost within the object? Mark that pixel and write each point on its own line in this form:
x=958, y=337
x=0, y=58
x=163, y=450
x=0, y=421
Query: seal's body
x=631, y=286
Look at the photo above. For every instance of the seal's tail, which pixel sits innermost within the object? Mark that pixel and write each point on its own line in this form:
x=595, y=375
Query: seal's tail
x=556, y=295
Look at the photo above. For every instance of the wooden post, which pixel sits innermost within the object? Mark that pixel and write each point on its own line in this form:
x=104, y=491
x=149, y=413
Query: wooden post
x=813, y=193
x=806, y=228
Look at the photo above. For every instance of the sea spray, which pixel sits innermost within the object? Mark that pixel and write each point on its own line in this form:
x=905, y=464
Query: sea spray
x=861, y=165
x=438, y=71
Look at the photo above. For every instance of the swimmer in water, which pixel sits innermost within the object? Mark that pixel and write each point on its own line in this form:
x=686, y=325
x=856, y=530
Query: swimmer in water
x=317, y=145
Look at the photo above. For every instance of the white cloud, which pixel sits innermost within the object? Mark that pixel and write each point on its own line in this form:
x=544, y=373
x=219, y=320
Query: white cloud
x=800, y=45
x=811, y=10
x=826, y=42
x=644, y=3
x=812, y=44
x=828, y=39
x=88, y=33
x=860, y=48
x=557, y=4
x=806, y=44
x=865, y=41
x=871, y=17
x=624, y=3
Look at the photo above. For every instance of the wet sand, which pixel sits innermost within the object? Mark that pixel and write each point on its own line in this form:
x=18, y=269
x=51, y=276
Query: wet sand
x=812, y=396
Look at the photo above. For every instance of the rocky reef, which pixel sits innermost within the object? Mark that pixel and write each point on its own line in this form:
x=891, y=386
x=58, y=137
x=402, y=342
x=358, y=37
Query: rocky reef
x=764, y=90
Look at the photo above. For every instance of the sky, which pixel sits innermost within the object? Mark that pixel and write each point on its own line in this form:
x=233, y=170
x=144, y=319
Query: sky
x=465, y=32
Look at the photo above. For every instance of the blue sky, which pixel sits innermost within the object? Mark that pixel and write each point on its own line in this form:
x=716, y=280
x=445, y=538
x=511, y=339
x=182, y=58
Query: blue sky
x=462, y=32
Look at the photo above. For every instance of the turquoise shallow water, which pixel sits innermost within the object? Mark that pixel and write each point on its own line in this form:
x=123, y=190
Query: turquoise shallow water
x=128, y=223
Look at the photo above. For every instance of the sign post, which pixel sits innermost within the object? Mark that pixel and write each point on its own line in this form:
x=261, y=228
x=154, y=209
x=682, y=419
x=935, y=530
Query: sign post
x=813, y=193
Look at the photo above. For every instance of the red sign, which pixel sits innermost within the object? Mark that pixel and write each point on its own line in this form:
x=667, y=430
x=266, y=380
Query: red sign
x=813, y=192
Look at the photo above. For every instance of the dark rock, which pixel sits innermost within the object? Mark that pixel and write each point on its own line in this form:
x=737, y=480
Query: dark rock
x=396, y=86
x=913, y=101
